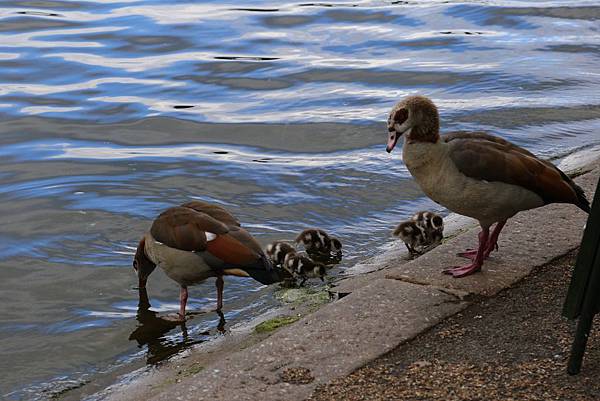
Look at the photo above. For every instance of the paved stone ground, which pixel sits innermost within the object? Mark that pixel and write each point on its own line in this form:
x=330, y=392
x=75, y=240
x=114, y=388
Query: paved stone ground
x=513, y=346
x=380, y=312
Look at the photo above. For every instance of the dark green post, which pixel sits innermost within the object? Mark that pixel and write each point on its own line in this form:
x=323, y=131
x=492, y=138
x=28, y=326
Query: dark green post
x=583, y=298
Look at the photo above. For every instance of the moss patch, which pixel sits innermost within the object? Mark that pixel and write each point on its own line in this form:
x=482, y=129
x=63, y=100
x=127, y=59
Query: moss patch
x=275, y=323
x=192, y=370
x=303, y=296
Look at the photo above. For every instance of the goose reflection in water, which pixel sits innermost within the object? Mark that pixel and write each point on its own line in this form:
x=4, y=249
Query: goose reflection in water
x=152, y=330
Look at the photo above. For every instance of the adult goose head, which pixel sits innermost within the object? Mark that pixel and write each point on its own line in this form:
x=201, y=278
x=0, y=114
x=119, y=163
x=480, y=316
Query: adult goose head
x=475, y=174
x=198, y=240
x=415, y=117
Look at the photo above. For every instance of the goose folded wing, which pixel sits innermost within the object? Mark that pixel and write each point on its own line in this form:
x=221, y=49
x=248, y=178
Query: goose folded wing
x=225, y=249
x=232, y=248
x=484, y=136
x=216, y=212
x=186, y=229
x=236, y=247
x=239, y=250
x=501, y=161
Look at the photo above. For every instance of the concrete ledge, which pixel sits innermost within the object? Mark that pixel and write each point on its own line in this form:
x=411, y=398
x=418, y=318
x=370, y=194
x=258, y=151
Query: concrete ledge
x=381, y=311
x=331, y=342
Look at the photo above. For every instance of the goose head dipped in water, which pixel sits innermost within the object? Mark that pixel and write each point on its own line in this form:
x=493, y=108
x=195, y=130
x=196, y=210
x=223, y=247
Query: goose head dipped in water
x=196, y=241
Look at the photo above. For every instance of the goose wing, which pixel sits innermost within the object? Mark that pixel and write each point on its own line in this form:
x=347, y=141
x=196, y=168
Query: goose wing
x=186, y=229
x=222, y=246
x=486, y=157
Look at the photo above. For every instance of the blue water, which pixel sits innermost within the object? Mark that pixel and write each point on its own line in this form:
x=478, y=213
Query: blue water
x=111, y=111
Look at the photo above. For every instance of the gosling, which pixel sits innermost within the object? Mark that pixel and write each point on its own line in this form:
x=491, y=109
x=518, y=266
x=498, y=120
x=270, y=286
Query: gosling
x=432, y=224
x=317, y=241
x=277, y=251
x=303, y=267
x=413, y=235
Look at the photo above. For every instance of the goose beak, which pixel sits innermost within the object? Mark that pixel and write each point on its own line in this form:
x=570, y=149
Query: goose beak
x=392, y=140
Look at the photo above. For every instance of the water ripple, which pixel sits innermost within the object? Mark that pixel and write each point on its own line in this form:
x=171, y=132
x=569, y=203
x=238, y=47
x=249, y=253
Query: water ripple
x=114, y=110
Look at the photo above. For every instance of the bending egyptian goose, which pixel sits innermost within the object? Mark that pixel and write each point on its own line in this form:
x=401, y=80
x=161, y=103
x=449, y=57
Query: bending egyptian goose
x=317, y=241
x=198, y=240
x=475, y=174
x=432, y=224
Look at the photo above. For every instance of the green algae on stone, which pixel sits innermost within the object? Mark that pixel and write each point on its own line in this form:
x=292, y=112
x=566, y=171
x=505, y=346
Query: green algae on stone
x=191, y=370
x=275, y=323
x=303, y=296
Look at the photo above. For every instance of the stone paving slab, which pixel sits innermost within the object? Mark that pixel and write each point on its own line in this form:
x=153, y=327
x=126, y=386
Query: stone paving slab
x=331, y=342
x=350, y=284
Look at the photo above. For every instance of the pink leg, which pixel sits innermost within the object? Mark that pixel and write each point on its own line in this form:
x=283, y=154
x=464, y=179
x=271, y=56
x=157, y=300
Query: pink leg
x=183, y=296
x=475, y=266
x=220, y=284
x=493, y=240
x=491, y=245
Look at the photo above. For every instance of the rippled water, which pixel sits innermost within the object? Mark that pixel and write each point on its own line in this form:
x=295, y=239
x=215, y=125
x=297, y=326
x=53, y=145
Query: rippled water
x=114, y=110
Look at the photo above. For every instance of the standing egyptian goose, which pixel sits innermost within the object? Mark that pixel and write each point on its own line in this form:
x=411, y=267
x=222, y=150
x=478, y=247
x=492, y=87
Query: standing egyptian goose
x=198, y=240
x=475, y=174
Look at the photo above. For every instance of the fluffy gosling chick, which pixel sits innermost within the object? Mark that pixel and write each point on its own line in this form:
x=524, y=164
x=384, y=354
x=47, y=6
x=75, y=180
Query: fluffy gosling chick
x=413, y=235
x=277, y=251
x=433, y=224
x=336, y=246
x=303, y=267
x=317, y=241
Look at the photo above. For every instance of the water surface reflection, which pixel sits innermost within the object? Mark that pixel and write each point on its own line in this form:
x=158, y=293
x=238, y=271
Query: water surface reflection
x=113, y=111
